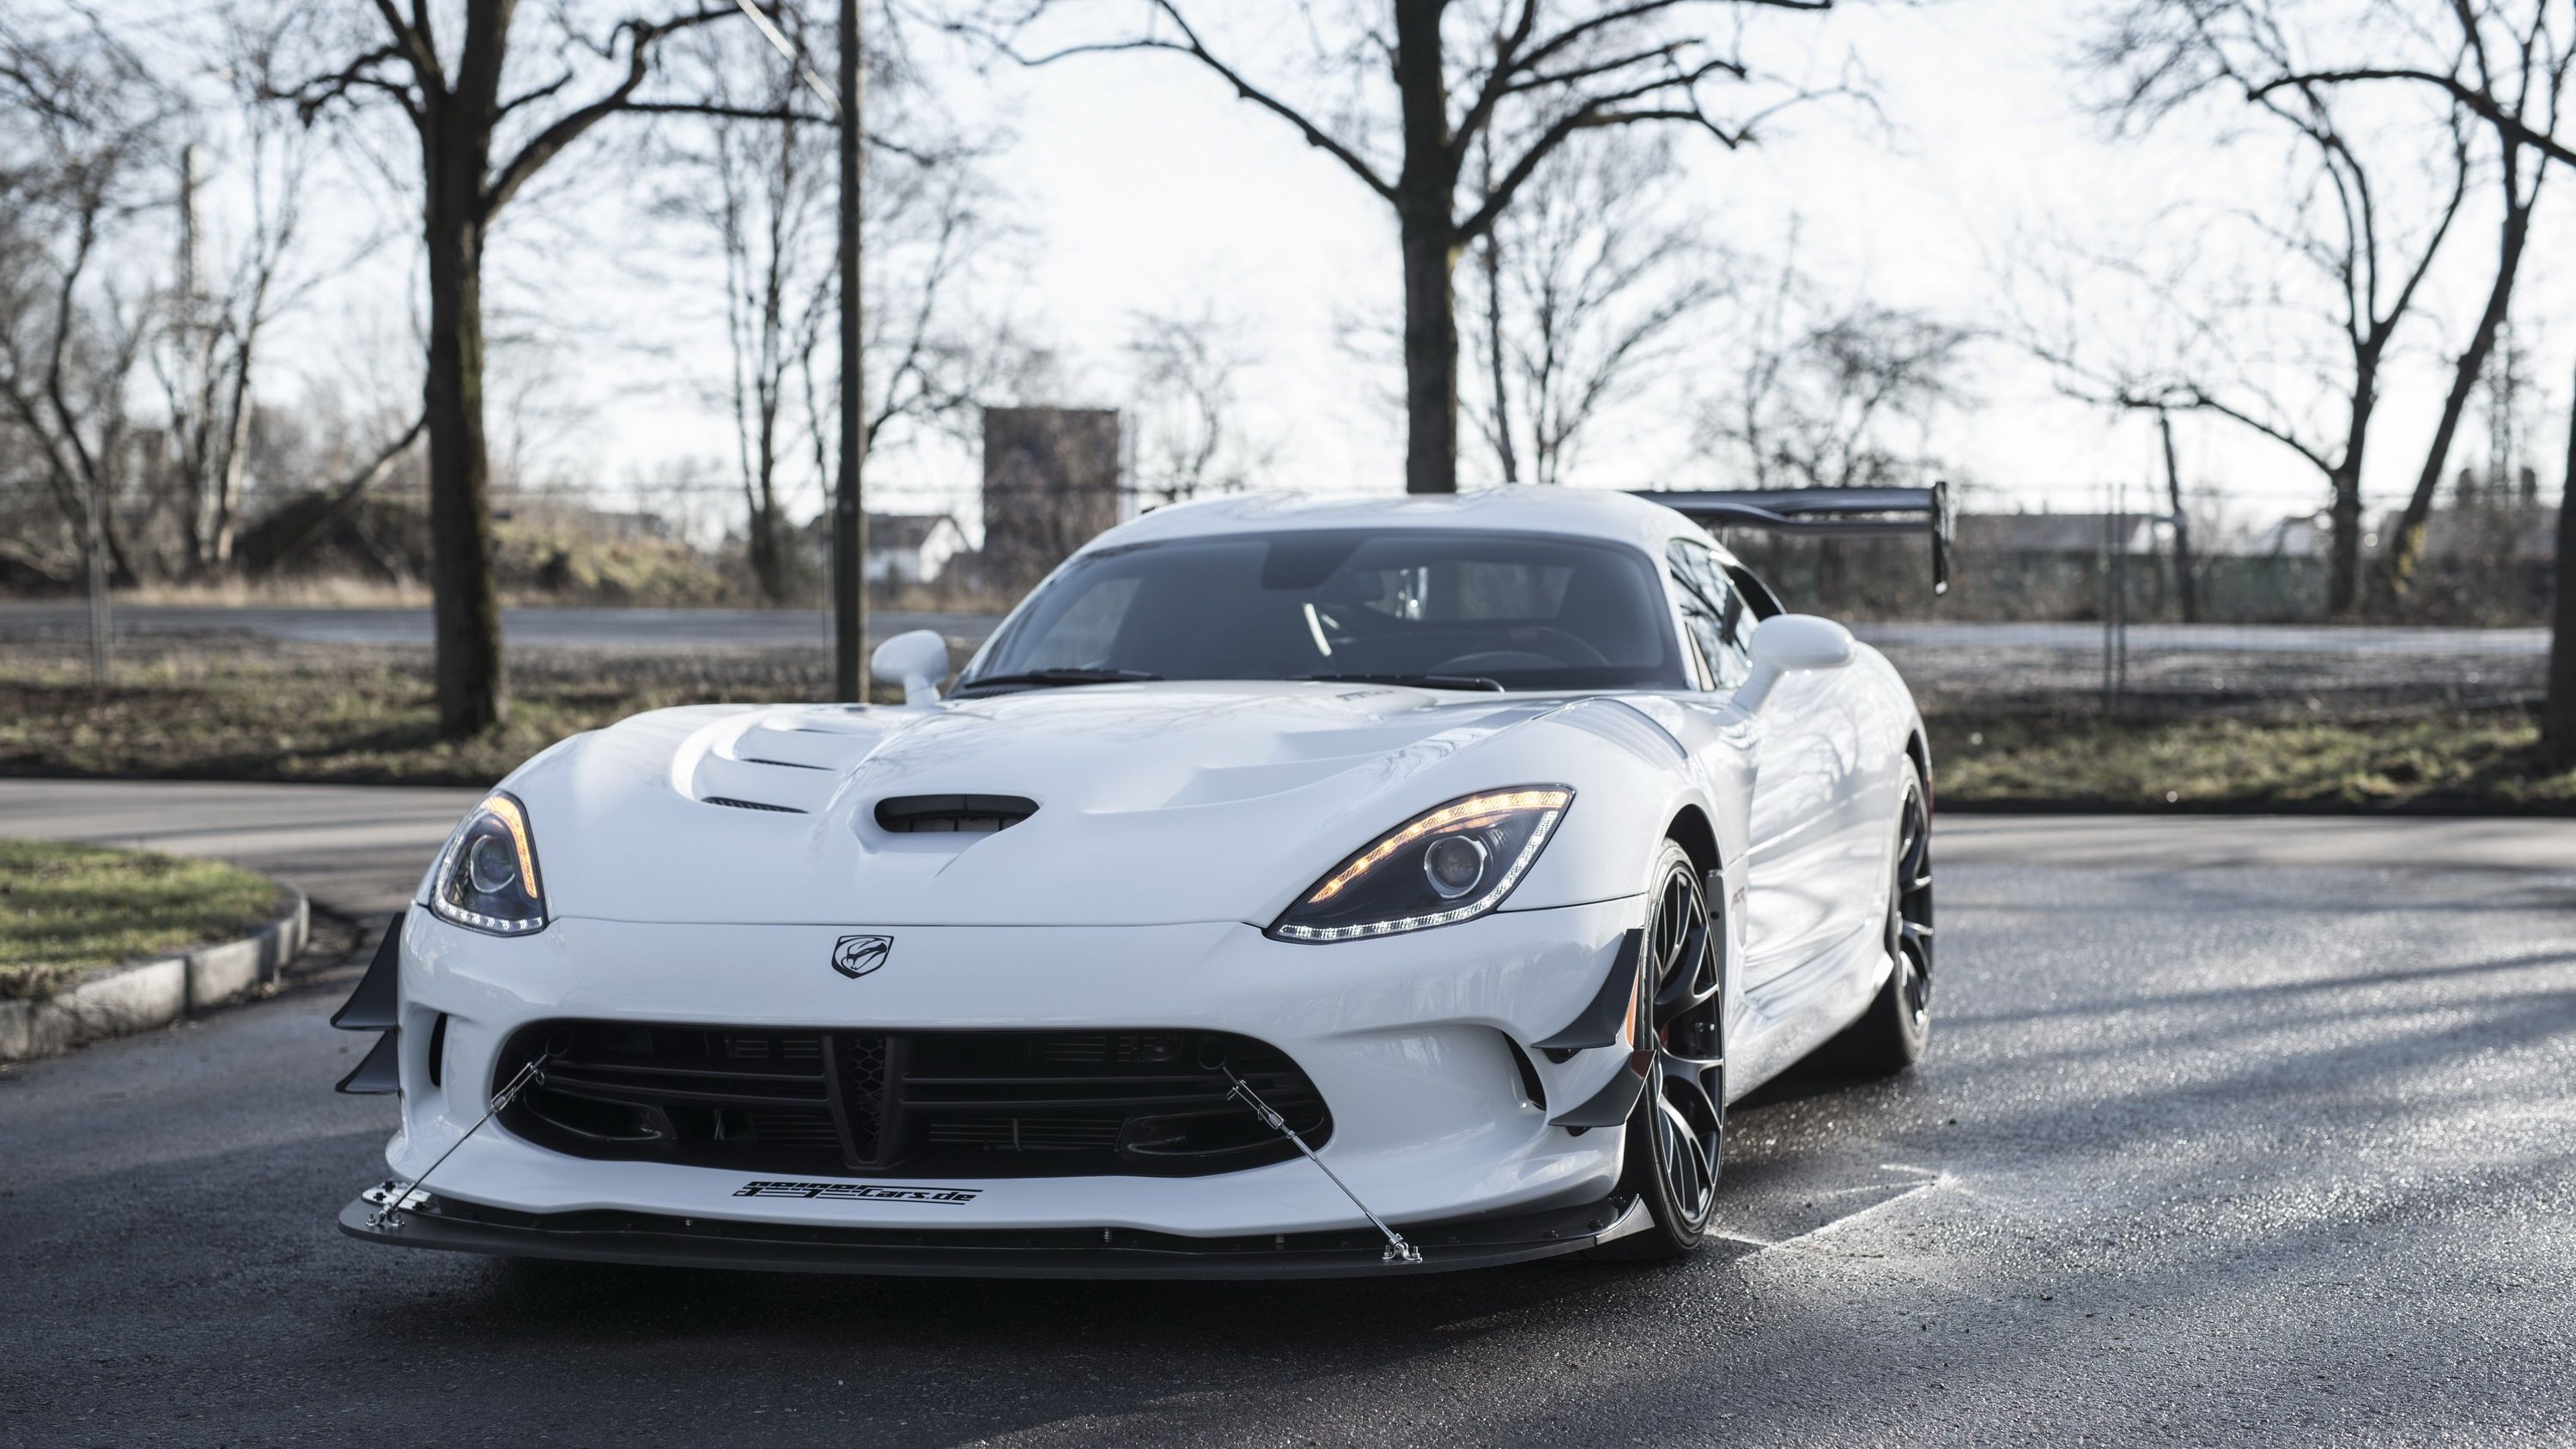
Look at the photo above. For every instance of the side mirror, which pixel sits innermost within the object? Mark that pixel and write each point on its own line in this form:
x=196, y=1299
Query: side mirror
x=1785, y=644
x=917, y=661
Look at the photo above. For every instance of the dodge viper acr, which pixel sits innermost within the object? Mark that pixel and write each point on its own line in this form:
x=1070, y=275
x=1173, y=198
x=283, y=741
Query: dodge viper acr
x=1285, y=888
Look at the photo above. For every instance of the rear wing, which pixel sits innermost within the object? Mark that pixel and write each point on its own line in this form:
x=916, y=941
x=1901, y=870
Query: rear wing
x=1834, y=512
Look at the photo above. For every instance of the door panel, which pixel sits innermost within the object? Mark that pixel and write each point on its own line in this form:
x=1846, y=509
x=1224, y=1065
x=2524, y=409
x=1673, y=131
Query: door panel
x=1797, y=872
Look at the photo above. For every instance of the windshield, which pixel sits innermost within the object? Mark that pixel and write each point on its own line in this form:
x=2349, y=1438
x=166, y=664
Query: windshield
x=1447, y=609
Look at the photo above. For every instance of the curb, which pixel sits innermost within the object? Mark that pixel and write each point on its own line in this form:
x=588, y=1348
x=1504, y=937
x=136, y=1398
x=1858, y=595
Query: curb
x=142, y=995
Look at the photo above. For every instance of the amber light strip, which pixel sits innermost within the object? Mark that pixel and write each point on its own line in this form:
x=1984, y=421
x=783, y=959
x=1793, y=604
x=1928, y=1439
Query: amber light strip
x=506, y=810
x=1503, y=803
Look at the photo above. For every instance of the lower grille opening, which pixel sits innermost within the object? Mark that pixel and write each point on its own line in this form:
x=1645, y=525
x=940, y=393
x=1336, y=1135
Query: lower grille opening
x=932, y=1103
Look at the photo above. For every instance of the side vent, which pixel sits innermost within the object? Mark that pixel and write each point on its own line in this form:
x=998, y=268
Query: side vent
x=753, y=805
x=953, y=814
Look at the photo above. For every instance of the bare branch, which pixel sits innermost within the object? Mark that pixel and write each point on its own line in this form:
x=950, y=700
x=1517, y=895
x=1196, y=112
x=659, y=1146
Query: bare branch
x=1191, y=46
x=641, y=37
x=2478, y=102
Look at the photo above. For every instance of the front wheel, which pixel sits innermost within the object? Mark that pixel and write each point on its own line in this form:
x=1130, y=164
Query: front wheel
x=1891, y=1035
x=1677, y=1135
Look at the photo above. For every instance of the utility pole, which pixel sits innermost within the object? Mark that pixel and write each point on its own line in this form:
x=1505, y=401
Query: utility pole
x=2185, y=587
x=189, y=434
x=849, y=514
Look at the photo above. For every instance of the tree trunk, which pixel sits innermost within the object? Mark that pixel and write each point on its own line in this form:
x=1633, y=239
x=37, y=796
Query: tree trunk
x=1424, y=194
x=2406, y=542
x=2186, y=588
x=2558, y=715
x=1430, y=360
x=1506, y=453
x=2343, y=586
x=228, y=472
x=2343, y=593
x=463, y=600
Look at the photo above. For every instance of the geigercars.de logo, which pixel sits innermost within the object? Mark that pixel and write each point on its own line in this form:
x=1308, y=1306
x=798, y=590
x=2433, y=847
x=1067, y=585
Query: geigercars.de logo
x=857, y=1191
x=856, y=956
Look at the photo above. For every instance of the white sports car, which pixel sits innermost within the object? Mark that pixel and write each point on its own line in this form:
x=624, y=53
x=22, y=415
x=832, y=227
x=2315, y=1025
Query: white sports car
x=1286, y=888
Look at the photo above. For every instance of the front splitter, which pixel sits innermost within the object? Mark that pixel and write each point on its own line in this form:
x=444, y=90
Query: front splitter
x=654, y=1239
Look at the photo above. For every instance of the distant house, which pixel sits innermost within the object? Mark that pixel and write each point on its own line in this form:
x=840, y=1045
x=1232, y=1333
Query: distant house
x=2301, y=535
x=911, y=548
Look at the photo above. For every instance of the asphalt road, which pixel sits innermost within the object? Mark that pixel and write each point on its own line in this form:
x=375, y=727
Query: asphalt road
x=2233, y=1131
x=792, y=628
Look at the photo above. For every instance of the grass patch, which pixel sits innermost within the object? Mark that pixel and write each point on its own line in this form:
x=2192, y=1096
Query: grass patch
x=66, y=908
x=2487, y=761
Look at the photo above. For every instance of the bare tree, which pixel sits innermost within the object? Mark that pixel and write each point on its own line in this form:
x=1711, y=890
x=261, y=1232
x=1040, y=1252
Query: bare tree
x=1429, y=82
x=1186, y=436
x=481, y=140
x=2520, y=65
x=1584, y=290
x=761, y=186
x=210, y=334
x=81, y=122
x=2465, y=83
x=2168, y=55
x=1822, y=389
x=769, y=206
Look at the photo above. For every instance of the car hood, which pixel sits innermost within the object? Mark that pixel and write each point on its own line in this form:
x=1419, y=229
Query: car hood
x=1155, y=803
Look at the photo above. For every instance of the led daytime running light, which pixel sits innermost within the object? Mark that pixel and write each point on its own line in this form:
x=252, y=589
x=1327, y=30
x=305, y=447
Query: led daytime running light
x=506, y=810
x=1553, y=801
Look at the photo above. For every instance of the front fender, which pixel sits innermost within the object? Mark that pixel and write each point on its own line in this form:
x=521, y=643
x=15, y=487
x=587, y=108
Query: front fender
x=1644, y=762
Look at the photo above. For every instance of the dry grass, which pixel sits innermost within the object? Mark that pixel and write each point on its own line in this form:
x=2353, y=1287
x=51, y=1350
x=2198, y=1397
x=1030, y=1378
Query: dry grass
x=67, y=908
x=226, y=710
x=2482, y=761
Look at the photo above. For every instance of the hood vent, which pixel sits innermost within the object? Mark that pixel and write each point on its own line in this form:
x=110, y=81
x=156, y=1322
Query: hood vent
x=752, y=805
x=953, y=814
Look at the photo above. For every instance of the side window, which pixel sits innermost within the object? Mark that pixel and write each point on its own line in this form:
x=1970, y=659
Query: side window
x=1714, y=612
x=1757, y=594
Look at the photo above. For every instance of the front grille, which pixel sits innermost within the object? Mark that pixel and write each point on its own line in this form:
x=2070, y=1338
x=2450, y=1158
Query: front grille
x=931, y=1103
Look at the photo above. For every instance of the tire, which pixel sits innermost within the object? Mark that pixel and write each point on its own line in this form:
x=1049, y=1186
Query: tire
x=1676, y=1138
x=1891, y=1035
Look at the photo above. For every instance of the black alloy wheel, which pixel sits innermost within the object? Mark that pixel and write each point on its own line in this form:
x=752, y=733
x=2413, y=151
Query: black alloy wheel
x=1677, y=1135
x=1892, y=1034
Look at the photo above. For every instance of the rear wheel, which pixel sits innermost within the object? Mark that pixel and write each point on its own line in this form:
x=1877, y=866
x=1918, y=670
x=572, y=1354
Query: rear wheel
x=1677, y=1135
x=1891, y=1035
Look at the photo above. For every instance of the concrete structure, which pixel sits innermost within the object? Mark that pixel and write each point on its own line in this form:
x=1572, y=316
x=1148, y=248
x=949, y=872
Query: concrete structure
x=1051, y=481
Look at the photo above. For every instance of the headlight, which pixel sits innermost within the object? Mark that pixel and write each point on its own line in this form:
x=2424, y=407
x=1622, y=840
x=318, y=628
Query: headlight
x=487, y=876
x=1439, y=868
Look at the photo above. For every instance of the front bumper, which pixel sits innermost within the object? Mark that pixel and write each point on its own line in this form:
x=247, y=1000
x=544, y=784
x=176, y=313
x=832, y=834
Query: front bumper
x=1415, y=1042
x=664, y=1241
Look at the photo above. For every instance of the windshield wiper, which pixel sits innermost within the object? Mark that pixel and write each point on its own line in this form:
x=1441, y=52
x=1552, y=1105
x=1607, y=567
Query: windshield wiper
x=1048, y=678
x=1411, y=681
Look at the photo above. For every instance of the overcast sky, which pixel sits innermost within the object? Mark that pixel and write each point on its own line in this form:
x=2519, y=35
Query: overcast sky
x=1144, y=184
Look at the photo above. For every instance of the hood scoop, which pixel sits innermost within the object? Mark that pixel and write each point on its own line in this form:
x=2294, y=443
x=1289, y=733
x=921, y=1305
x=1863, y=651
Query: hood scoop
x=952, y=814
